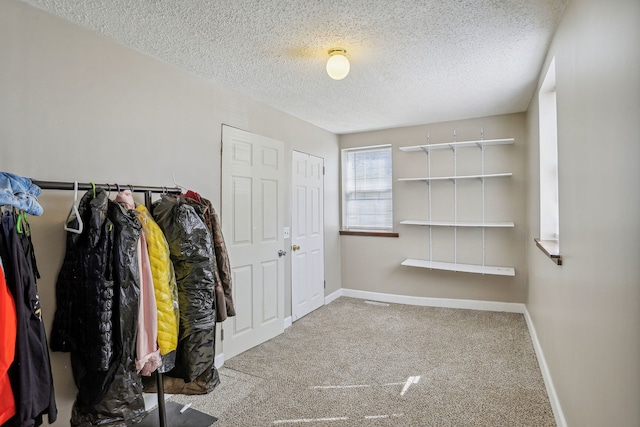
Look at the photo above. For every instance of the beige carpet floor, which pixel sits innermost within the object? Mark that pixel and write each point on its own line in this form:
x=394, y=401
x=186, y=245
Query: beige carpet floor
x=352, y=363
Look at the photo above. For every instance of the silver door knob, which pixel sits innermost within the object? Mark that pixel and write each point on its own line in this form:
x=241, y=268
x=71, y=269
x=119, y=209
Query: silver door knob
x=281, y=253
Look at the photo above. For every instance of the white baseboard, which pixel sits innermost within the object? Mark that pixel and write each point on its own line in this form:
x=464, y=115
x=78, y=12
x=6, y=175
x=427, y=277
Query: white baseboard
x=509, y=307
x=219, y=360
x=546, y=374
x=287, y=322
x=333, y=296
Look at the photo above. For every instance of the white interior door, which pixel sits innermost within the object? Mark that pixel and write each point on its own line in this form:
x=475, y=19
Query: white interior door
x=252, y=220
x=307, y=239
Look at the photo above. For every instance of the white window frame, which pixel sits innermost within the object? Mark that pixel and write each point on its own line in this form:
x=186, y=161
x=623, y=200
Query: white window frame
x=549, y=240
x=346, y=225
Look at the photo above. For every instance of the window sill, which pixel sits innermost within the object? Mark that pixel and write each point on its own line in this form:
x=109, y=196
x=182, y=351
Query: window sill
x=369, y=233
x=550, y=248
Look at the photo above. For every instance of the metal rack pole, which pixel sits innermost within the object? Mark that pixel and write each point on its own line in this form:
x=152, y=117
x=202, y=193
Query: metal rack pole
x=455, y=199
x=429, y=196
x=57, y=185
x=483, y=195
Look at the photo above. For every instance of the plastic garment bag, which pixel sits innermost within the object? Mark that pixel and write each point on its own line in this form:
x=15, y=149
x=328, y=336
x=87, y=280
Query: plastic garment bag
x=96, y=318
x=191, y=251
x=165, y=288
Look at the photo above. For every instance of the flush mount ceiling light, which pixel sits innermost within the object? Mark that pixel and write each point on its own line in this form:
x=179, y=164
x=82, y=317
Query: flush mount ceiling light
x=338, y=64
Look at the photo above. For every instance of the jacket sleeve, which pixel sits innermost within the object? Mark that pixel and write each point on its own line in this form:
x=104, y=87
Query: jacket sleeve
x=223, y=266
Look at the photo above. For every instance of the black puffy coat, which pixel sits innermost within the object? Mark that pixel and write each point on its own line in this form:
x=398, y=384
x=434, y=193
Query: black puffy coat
x=191, y=251
x=84, y=290
x=97, y=314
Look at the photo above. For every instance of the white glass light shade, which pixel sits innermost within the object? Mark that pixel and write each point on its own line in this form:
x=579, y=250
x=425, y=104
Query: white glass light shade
x=338, y=65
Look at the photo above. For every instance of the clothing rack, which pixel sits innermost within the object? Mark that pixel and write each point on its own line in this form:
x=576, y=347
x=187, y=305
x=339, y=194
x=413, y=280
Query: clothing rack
x=148, y=191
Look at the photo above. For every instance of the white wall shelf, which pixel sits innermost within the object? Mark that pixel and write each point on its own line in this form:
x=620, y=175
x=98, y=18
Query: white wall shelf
x=504, y=224
x=444, y=178
x=455, y=224
x=464, y=268
x=461, y=144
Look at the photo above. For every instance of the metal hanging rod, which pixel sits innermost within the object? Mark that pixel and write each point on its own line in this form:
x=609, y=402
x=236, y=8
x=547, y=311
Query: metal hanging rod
x=56, y=185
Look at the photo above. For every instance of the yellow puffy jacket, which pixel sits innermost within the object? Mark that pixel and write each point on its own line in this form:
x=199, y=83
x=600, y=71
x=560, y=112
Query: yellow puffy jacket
x=164, y=282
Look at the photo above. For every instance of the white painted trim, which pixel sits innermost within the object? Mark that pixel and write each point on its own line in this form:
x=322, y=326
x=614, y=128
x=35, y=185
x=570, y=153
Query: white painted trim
x=219, y=360
x=509, y=307
x=546, y=374
x=333, y=296
x=287, y=322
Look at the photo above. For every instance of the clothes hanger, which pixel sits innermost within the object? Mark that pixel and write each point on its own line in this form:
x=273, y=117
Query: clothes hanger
x=176, y=184
x=22, y=224
x=74, y=211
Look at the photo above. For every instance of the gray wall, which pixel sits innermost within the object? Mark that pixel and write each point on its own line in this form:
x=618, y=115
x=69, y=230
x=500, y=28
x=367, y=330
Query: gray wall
x=78, y=106
x=373, y=263
x=586, y=312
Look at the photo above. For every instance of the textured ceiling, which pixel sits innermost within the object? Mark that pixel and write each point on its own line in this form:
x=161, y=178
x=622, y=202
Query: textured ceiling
x=412, y=62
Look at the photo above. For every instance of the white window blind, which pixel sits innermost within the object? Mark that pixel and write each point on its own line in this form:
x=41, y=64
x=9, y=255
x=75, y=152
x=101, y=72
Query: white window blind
x=367, y=188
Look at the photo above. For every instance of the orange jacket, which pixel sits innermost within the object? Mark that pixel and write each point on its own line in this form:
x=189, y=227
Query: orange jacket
x=9, y=322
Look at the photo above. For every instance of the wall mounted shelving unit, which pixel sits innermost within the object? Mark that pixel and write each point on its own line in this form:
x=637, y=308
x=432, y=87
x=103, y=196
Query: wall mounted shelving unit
x=483, y=224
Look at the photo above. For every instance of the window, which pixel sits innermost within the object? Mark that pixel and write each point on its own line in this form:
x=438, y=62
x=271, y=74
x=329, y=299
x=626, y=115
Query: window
x=366, y=189
x=549, y=240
